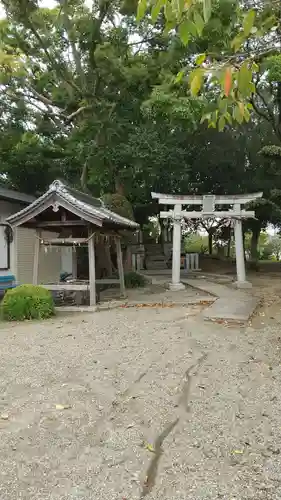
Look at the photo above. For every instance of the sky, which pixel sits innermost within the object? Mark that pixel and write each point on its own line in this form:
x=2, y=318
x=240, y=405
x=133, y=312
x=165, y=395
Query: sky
x=43, y=3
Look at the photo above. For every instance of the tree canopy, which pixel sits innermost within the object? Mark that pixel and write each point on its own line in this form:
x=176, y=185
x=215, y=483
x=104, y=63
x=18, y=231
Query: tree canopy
x=110, y=96
x=236, y=53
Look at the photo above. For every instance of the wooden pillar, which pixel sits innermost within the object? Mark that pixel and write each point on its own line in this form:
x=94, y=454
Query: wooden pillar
x=120, y=267
x=36, y=257
x=92, y=268
x=74, y=264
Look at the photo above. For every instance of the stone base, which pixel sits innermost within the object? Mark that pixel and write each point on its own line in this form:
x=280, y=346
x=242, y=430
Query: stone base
x=176, y=287
x=242, y=284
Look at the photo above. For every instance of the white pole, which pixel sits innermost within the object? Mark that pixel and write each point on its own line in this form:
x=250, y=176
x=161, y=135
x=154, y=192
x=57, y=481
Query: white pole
x=176, y=263
x=239, y=252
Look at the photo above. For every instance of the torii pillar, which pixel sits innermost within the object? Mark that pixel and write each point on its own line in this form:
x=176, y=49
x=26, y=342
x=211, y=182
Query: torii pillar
x=176, y=284
x=239, y=254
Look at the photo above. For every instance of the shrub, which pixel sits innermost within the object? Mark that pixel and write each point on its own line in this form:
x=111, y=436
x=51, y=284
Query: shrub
x=134, y=280
x=27, y=302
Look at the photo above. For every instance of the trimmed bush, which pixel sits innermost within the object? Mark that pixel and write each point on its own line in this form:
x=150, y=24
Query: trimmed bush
x=27, y=302
x=134, y=280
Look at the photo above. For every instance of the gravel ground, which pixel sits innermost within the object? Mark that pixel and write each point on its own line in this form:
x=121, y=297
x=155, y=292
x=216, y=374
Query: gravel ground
x=140, y=403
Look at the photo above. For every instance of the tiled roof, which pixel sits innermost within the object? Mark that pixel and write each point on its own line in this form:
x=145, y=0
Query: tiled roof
x=87, y=207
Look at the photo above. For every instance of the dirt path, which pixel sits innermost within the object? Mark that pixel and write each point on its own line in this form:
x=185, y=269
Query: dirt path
x=146, y=403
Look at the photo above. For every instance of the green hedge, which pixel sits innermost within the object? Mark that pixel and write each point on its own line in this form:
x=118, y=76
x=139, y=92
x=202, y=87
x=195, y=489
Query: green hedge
x=27, y=302
x=134, y=280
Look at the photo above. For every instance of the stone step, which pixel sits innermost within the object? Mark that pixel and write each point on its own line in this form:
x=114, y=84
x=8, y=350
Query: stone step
x=156, y=257
x=156, y=265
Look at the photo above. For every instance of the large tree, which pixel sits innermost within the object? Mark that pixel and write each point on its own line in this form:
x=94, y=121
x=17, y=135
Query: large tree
x=83, y=86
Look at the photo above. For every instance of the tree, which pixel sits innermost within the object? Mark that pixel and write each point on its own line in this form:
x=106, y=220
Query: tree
x=196, y=243
x=60, y=69
x=274, y=247
x=250, y=34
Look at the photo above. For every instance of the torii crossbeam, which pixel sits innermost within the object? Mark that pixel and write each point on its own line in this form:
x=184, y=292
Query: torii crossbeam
x=233, y=204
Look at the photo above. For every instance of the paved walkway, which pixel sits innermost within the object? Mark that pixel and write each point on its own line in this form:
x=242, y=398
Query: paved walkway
x=227, y=304
x=231, y=304
x=134, y=404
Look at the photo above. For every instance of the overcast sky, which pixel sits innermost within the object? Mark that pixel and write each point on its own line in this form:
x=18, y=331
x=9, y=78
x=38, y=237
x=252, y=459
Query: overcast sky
x=43, y=3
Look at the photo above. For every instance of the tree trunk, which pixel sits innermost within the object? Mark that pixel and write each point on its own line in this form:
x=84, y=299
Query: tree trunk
x=210, y=243
x=103, y=260
x=119, y=187
x=254, y=243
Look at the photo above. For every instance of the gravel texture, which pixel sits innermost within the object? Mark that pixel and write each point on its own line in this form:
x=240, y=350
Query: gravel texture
x=140, y=403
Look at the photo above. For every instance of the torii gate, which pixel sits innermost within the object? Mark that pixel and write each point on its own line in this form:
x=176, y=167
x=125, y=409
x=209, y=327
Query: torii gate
x=208, y=203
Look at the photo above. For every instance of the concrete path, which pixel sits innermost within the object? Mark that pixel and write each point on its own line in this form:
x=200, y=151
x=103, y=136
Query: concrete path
x=232, y=305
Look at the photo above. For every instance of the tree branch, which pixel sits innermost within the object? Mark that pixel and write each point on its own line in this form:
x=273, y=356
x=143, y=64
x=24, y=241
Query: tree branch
x=259, y=111
x=80, y=110
x=54, y=64
x=45, y=100
x=76, y=55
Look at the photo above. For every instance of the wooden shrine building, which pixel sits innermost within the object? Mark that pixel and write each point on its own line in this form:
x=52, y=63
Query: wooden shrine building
x=76, y=219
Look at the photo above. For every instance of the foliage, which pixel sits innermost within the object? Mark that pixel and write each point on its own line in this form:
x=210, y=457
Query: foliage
x=262, y=245
x=81, y=99
x=119, y=204
x=273, y=247
x=134, y=280
x=103, y=101
x=196, y=243
x=152, y=229
x=27, y=302
x=249, y=36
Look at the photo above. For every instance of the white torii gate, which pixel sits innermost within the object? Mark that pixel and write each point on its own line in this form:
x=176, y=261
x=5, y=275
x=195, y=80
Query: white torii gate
x=208, y=203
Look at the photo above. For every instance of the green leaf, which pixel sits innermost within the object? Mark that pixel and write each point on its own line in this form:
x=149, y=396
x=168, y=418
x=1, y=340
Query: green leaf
x=169, y=13
x=237, y=42
x=170, y=25
x=237, y=115
x=195, y=80
x=205, y=117
x=155, y=11
x=179, y=77
x=248, y=22
x=214, y=116
x=228, y=118
x=141, y=9
x=247, y=115
x=207, y=10
x=200, y=59
x=179, y=7
x=221, y=123
x=187, y=28
x=245, y=80
x=184, y=31
x=199, y=23
x=241, y=108
x=222, y=105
